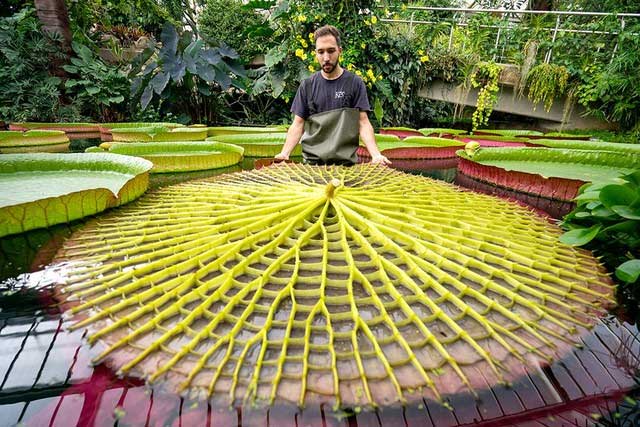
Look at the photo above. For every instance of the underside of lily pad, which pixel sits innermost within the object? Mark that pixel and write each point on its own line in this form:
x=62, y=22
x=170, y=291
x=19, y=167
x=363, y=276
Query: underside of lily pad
x=258, y=144
x=555, y=173
x=40, y=190
x=33, y=141
x=359, y=286
x=182, y=156
x=158, y=134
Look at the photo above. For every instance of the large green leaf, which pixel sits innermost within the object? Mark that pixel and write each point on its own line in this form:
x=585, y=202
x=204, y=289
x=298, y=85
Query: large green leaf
x=182, y=156
x=158, y=133
x=33, y=141
x=580, y=236
x=629, y=271
x=359, y=286
x=583, y=165
x=588, y=145
x=258, y=144
x=39, y=190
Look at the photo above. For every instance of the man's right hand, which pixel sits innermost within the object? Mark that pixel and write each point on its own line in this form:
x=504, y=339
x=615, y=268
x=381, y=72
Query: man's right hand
x=281, y=156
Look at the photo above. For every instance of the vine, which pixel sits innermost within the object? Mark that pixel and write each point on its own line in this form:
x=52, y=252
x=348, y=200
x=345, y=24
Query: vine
x=547, y=82
x=486, y=78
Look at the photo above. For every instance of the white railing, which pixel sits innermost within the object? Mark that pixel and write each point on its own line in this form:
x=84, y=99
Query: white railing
x=514, y=19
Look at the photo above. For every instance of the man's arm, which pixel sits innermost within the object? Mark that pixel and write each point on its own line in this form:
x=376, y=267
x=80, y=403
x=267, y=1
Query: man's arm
x=293, y=137
x=367, y=136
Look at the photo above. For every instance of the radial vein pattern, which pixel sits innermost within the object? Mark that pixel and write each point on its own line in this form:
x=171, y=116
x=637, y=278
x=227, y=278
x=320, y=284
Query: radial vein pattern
x=353, y=286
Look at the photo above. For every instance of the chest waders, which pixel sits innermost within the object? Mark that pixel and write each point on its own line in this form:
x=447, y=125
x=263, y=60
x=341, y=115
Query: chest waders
x=331, y=137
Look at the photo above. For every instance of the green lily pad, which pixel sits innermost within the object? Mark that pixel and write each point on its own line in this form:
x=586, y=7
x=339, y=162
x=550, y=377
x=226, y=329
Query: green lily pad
x=235, y=130
x=258, y=144
x=33, y=141
x=347, y=286
x=583, y=165
x=158, y=134
x=182, y=156
x=40, y=190
x=441, y=131
x=507, y=132
x=588, y=145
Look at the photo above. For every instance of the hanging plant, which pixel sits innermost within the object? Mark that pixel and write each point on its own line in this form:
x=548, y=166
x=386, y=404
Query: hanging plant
x=547, y=82
x=486, y=79
x=359, y=286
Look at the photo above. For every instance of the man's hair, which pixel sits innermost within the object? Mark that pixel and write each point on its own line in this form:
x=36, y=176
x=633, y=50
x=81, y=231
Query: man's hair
x=328, y=30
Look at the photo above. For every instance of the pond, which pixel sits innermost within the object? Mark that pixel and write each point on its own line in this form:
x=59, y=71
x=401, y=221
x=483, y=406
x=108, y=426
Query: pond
x=47, y=378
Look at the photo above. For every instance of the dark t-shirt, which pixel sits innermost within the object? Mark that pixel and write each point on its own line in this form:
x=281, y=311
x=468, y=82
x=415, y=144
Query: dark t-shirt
x=317, y=94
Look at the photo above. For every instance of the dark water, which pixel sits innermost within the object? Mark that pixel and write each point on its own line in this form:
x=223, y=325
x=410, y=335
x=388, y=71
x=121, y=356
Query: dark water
x=46, y=378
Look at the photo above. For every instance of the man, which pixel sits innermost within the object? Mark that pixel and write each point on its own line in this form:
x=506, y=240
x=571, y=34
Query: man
x=330, y=111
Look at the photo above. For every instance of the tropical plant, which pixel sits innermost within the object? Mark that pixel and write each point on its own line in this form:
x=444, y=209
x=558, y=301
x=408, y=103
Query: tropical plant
x=101, y=90
x=186, y=75
x=546, y=82
x=607, y=220
x=485, y=79
x=342, y=286
x=230, y=23
x=28, y=91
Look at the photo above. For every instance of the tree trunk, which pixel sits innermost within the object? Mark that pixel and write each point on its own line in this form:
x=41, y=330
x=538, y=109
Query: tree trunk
x=55, y=19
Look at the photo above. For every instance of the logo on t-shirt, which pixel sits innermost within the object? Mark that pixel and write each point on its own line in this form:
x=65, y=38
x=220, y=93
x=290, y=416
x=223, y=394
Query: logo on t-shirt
x=339, y=94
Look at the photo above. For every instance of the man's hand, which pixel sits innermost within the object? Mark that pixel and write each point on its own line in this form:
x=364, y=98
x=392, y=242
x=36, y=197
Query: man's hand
x=281, y=156
x=380, y=160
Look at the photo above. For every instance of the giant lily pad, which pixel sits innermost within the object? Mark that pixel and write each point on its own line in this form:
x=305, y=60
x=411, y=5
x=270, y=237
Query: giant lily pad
x=105, y=128
x=39, y=190
x=73, y=130
x=400, y=131
x=588, y=145
x=508, y=132
x=440, y=132
x=158, y=134
x=237, y=130
x=258, y=144
x=416, y=147
x=33, y=141
x=182, y=156
x=350, y=286
x=549, y=172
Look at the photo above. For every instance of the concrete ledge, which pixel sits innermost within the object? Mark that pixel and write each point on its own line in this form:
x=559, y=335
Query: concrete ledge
x=508, y=102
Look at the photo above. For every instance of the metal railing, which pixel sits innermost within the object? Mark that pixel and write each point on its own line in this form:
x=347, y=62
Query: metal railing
x=515, y=19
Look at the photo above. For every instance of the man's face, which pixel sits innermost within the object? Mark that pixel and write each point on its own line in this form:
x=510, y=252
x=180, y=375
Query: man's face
x=327, y=53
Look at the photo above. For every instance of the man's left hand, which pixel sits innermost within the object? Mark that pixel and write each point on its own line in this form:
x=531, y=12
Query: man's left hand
x=380, y=160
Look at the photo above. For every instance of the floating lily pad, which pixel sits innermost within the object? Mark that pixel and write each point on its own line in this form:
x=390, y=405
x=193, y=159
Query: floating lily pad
x=33, y=141
x=549, y=172
x=258, y=144
x=158, y=134
x=105, y=128
x=236, y=130
x=359, y=286
x=73, y=130
x=416, y=147
x=39, y=190
x=182, y=156
x=588, y=145
x=507, y=132
x=441, y=131
x=494, y=140
x=400, y=131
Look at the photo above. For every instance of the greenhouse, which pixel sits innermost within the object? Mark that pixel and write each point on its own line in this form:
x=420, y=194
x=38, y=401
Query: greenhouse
x=317, y=213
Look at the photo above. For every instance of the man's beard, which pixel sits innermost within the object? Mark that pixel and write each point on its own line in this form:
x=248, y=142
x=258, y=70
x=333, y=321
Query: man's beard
x=328, y=67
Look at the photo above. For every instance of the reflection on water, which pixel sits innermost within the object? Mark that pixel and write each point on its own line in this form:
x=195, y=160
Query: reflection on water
x=46, y=378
